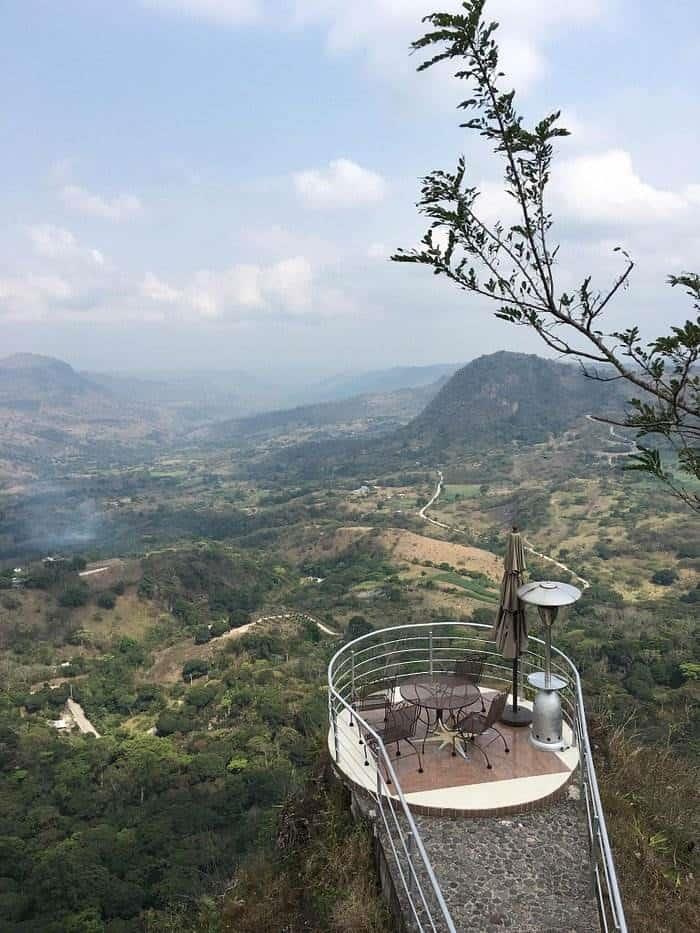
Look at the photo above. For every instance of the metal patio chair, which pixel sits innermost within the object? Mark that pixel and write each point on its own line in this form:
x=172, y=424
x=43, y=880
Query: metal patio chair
x=476, y=724
x=380, y=695
x=400, y=726
x=471, y=669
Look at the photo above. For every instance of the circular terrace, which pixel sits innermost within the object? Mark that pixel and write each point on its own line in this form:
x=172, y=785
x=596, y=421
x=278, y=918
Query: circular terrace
x=436, y=771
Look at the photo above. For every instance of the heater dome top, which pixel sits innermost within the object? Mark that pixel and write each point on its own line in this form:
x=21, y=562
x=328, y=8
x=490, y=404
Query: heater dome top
x=548, y=593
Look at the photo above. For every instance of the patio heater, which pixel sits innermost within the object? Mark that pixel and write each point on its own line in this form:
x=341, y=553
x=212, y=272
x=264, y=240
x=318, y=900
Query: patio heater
x=547, y=720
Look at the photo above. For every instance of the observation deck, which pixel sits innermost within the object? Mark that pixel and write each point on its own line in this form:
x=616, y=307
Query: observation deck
x=524, y=840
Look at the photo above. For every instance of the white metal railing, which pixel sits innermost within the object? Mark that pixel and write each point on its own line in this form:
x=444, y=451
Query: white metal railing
x=403, y=652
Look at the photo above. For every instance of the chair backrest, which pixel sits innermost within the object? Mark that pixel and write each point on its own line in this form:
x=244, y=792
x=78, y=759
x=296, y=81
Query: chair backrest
x=471, y=668
x=498, y=704
x=384, y=684
x=400, y=724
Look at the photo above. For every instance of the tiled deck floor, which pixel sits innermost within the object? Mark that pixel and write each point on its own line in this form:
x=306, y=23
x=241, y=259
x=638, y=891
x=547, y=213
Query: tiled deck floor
x=517, y=780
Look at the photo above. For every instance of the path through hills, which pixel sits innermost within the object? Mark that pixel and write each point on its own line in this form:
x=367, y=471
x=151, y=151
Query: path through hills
x=167, y=667
x=527, y=545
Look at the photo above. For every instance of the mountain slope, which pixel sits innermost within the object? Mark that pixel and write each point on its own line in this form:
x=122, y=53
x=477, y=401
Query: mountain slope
x=30, y=378
x=52, y=416
x=508, y=397
x=362, y=414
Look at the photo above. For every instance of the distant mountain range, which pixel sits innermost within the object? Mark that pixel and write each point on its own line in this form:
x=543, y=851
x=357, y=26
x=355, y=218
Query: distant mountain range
x=239, y=393
x=495, y=400
x=377, y=381
x=360, y=414
x=49, y=411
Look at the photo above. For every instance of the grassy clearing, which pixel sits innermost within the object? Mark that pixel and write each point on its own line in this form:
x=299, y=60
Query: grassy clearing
x=457, y=491
x=131, y=616
x=477, y=590
x=368, y=585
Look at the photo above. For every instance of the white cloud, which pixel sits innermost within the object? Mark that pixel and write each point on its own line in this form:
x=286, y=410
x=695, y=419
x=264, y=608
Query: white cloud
x=362, y=28
x=606, y=188
x=342, y=184
x=118, y=208
x=27, y=297
x=289, y=281
x=227, y=12
x=155, y=289
x=57, y=243
x=284, y=286
x=214, y=294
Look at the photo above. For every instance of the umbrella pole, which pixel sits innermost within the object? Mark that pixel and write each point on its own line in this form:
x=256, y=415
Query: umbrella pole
x=515, y=715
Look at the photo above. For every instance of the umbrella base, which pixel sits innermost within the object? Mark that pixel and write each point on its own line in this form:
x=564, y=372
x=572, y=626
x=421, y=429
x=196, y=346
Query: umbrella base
x=520, y=717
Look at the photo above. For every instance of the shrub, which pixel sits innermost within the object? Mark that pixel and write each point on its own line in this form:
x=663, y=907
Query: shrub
x=357, y=626
x=74, y=595
x=220, y=627
x=169, y=722
x=201, y=695
x=484, y=616
x=238, y=617
x=106, y=600
x=197, y=667
x=202, y=635
x=664, y=577
x=688, y=549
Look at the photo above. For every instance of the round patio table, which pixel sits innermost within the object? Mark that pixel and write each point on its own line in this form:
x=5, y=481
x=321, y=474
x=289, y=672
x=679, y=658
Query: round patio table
x=440, y=692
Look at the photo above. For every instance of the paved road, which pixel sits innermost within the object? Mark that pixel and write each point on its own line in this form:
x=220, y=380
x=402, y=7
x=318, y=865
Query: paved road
x=431, y=502
x=612, y=456
x=81, y=720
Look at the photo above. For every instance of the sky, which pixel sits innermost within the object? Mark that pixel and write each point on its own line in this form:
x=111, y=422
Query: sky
x=191, y=184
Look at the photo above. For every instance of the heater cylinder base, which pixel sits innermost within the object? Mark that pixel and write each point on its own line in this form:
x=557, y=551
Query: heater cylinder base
x=547, y=721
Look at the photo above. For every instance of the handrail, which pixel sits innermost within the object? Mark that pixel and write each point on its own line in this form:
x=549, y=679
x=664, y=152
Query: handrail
x=353, y=664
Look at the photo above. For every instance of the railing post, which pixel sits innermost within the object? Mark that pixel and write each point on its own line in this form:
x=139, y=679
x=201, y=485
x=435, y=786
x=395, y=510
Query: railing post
x=430, y=649
x=352, y=686
x=409, y=849
x=336, y=743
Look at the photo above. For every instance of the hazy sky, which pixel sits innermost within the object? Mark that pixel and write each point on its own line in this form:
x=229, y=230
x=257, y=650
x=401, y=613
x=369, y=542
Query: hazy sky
x=219, y=182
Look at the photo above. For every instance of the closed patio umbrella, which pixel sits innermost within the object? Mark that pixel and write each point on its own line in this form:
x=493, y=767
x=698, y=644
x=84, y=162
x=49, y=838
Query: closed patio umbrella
x=510, y=627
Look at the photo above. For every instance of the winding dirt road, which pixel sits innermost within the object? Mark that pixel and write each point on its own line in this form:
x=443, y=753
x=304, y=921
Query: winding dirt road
x=526, y=544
